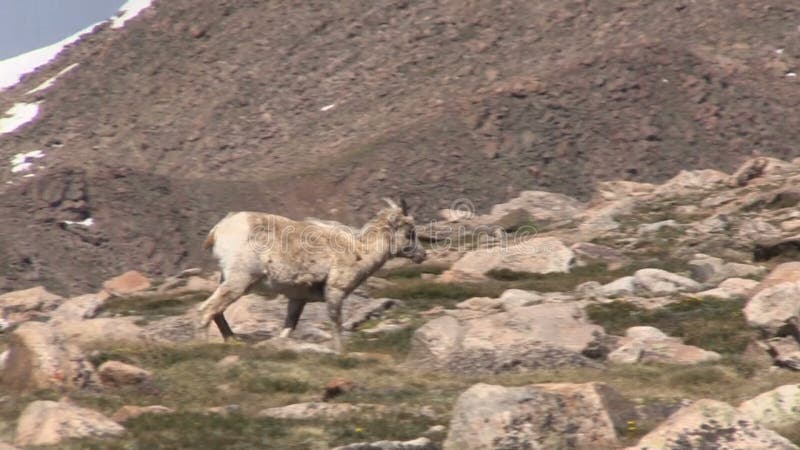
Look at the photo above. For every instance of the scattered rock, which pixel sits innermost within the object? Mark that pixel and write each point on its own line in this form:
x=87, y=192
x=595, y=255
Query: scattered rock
x=660, y=282
x=710, y=421
x=320, y=410
x=127, y=283
x=767, y=248
x=387, y=326
x=775, y=309
x=103, y=329
x=287, y=344
x=540, y=207
x=730, y=289
x=537, y=255
x=750, y=170
x=689, y=181
x=619, y=189
x=517, y=298
x=618, y=288
x=782, y=273
x=540, y=336
x=224, y=410
x=644, y=344
x=588, y=253
x=649, y=228
x=128, y=412
x=785, y=352
x=49, y=423
x=416, y=444
x=371, y=310
x=579, y=416
x=776, y=409
x=116, y=373
x=81, y=307
x=20, y=306
x=39, y=357
x=711, y=270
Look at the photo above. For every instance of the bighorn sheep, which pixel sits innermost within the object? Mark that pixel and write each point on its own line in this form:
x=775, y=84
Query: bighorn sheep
x=307, y=261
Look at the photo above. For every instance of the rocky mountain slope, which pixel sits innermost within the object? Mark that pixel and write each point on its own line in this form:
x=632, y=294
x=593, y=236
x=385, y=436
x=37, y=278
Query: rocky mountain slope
x=196, y=108
x=655, y=316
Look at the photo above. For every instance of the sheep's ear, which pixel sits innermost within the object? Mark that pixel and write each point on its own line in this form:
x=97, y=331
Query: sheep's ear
x=390, y=202
x=404, y=206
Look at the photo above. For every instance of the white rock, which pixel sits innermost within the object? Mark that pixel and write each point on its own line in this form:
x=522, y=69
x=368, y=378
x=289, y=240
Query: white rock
x=660, y=282
x=772, y=308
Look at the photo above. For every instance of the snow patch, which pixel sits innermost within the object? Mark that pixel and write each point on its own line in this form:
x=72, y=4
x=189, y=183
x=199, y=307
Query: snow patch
x=22, y=162
x=791, y=75
x=12, y=69
x=52, y=81
x=87, y=222
x=327, y=107
x=17, y=116
x=128, y=11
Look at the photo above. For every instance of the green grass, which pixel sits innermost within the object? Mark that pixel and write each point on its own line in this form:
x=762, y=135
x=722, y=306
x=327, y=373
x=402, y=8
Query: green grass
x=421, y=294
x=717, y=325
x=150, y=307
x=411, y=271
x=395, y=343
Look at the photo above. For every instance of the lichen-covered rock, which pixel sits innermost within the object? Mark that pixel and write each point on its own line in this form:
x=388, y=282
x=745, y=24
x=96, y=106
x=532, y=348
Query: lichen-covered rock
x=775, y=409
x=710, y=424
x=49, y=423
x=539, y=336
x=539, y=416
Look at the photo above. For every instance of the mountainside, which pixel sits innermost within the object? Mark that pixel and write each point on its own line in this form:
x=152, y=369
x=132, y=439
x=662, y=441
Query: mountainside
x=201, y=107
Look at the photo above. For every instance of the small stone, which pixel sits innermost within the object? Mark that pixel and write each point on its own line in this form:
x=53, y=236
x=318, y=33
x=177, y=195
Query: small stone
x=127, y=283
x=116, y=373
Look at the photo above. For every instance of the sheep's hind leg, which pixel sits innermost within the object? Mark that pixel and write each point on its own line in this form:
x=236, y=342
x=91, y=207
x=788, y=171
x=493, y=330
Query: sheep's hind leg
x=293, y=312
x=228, y=292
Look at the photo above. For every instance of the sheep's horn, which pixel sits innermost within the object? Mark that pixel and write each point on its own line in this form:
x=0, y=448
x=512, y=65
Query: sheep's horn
x=404, y=206
x=390, y=202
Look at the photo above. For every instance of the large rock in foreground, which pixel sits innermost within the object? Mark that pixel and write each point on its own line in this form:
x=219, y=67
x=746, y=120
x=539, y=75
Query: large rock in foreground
x=710, y=424
x=40, y=357
x=539, y=416
x=540, y=336
x=776, y=409
x=48, y=423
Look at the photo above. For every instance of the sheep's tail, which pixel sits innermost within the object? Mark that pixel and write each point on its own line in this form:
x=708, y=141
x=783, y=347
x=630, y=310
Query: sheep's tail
x=210, y=239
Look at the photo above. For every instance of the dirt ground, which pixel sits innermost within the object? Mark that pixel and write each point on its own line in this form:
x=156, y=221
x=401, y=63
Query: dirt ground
x=200, y=107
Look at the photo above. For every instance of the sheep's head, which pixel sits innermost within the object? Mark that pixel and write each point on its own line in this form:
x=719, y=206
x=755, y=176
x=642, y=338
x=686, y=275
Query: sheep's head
x=404, y=242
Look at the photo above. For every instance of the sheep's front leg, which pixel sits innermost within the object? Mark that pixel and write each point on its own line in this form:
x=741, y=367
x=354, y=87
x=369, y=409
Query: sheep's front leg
x=334, y=298
x=223, y=326
x=293, y=312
